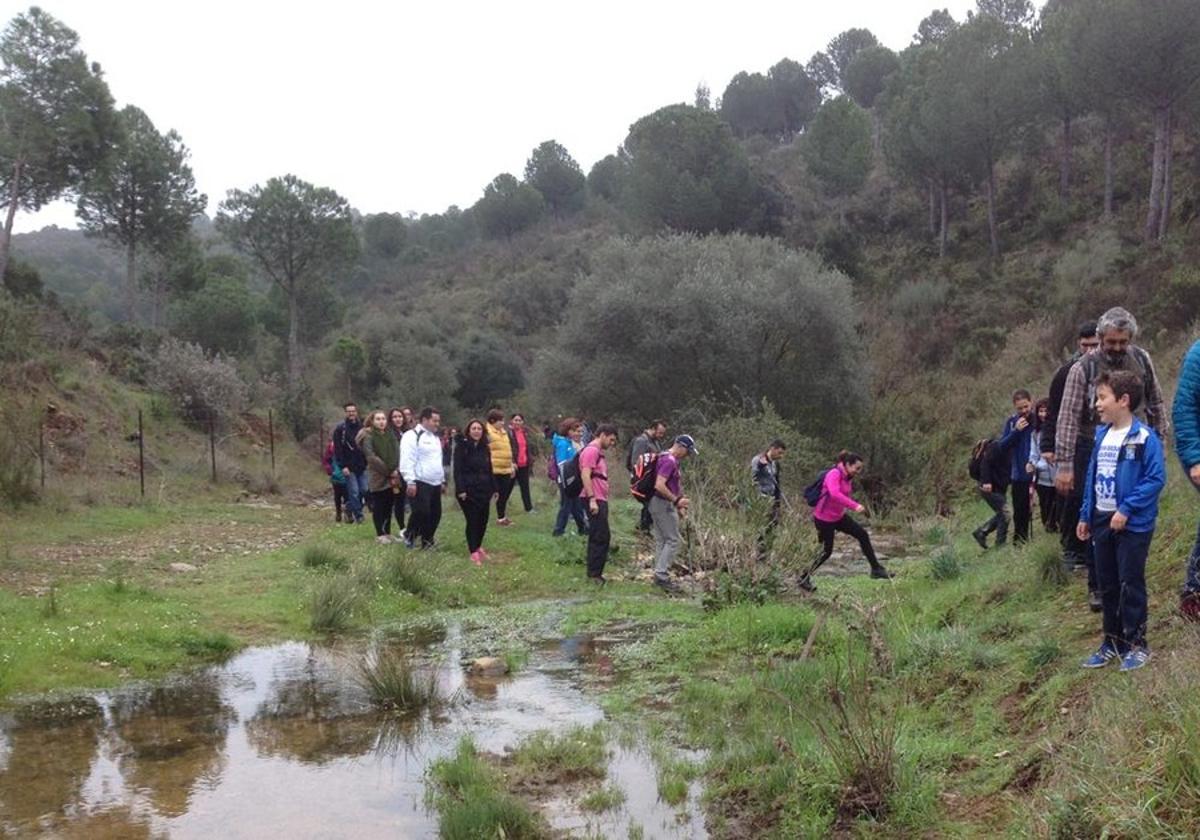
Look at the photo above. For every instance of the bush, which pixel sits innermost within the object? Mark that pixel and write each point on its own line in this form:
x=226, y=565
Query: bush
x=18, y=320
x=201, y=386
x=18, y=463
x=945, y=565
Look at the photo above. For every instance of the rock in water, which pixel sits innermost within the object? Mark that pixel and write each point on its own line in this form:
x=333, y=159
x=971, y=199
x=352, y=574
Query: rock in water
x=489, y=666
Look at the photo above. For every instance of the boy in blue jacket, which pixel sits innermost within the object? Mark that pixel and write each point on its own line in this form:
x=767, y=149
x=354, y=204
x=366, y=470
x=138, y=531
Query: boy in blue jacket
x=1185, y=419
x=1120, y=507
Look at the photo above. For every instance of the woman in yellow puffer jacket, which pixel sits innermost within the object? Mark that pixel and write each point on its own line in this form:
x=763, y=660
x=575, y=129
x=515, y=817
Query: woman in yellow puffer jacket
x=504, y=462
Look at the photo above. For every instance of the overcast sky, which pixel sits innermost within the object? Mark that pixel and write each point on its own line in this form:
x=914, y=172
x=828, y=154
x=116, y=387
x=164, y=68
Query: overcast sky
x=404, y=106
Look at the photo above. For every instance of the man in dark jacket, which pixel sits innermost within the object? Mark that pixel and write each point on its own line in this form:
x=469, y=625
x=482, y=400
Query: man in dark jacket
x=765, y=473
x=1016, y=442
x=352, y=460
x=1074, y=552
x=649, y=442
x=994, y=469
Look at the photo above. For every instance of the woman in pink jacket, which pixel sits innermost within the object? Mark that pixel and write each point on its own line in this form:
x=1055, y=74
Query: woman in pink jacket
x=830, y=516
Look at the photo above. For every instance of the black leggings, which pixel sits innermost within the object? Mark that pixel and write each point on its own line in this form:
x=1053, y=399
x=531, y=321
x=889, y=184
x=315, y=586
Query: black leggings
x=381, y=510
x=475, y=510
x=523, y=483
x=398, y=506
x=826, y=530
x=1048, y=507
x=504, y=487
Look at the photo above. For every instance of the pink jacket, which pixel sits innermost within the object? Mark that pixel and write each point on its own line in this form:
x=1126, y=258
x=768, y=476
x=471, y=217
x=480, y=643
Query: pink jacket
x=836, y=498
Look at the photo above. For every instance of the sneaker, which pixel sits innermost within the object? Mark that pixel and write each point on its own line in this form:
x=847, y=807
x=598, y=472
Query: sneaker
x=409, y=542
x=1105, y=654
x=1136, y=658
x=880, y=573
x=1095, y=602
x=667, y=585
x=383, y=539
x=807, y=585
x=598, y=580
x=483, y=554
x=504, y=521
x=476, y=559
x=980, y=538
x=429, y=546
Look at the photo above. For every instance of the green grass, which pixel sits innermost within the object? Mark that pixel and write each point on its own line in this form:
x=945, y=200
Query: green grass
x=472, y=804
x=603, y=799
x=394, y=683
x=321, y=557
x=579, y=753
x=333, y=604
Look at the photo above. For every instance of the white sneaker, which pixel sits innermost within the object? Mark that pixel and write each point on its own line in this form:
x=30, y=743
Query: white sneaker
x=384, y=540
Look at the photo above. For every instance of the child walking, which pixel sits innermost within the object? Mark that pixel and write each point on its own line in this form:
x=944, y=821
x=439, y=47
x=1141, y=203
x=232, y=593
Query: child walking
x=1119, y=512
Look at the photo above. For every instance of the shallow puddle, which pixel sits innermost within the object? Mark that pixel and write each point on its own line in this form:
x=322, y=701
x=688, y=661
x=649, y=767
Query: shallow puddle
x=280, y=741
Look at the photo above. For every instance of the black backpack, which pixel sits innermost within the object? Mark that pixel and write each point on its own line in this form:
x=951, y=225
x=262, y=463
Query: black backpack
x=814, y=492
x=980, y=452
x=645, y=475
x=570, y=479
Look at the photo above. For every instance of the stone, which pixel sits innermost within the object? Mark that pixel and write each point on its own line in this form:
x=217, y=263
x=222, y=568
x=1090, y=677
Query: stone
x=489, y=666
x=181, y=567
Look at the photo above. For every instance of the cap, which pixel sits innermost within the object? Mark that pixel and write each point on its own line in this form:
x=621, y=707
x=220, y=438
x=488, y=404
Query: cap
x=687, y=443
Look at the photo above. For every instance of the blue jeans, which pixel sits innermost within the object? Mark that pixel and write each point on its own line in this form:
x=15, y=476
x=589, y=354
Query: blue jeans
x=569, y=508
x=1120, y=561
x=356, y=490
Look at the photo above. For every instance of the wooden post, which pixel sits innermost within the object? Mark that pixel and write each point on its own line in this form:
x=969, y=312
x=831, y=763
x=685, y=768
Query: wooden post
x=271, y=434
x=212, y=445
x=42, y=450
x=141, y=454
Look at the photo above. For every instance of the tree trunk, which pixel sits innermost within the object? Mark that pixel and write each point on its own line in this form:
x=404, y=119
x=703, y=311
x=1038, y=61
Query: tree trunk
x=1108, y=167
x=13, y=198
x=131, y=282
x=1168, y=152
x=933, y=228
x=1150, y=233
x=294, y=371
x=943, y=233
x=1064, y=167
x=993, y=233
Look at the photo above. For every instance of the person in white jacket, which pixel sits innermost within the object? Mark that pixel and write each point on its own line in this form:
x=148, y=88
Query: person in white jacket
x=424, y=473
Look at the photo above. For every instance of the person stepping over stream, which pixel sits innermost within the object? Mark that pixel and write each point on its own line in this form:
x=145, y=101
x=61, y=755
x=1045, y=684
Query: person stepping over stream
x=830, y=516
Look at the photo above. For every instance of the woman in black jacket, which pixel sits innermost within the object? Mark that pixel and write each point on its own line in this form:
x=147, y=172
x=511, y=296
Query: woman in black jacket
x=474, y=485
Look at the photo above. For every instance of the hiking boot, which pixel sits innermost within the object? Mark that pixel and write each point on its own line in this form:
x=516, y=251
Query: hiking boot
x=1095, y=602
x=980, y=538
x=667, y=585
x=1105, y=654
x=1136, y=658
x=880, y=573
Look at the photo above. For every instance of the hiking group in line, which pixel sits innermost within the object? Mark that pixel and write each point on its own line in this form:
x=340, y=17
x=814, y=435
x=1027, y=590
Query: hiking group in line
x=1097, y=471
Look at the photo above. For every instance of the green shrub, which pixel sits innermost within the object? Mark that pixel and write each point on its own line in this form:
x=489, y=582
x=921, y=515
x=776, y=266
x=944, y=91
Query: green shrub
x=945, y=565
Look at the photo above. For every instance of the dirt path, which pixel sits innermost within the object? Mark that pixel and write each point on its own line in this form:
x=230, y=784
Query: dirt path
x=170, y=549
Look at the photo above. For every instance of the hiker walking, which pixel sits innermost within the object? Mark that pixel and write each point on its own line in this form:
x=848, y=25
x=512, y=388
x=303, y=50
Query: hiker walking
x=765, y=473
x=566, y=446
x=1077, y=419
x=382, y=452
x=337, y=480
x=504, y=466
x=354, y=464
x=1043, y=468
x=644, y=447
x=474, y=486
x=666, y=506
x=593, y=471
x=1015, y=442
x=422, y=469
x=831, y=514
x=1185, y=413
x=990, y=469
x=1124, y=478
x=526, y=450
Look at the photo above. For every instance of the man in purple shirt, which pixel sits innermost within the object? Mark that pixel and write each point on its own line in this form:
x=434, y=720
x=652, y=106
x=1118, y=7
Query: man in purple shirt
x=667, y=505
x=593, y=470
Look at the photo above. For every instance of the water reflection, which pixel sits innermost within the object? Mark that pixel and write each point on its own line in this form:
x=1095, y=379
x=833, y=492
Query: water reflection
x=280, y=741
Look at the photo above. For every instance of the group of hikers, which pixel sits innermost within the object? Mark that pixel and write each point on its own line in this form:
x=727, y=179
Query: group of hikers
x=394, y=463
x=1097, y=471
x=1094, y=468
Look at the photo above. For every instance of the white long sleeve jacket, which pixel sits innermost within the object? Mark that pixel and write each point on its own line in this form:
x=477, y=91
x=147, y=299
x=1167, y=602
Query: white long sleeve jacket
x=421, y=457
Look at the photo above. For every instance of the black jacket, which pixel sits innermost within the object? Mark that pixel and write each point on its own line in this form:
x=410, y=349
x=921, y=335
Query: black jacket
x=995, y=468
x=473, y=469
x=345, y=449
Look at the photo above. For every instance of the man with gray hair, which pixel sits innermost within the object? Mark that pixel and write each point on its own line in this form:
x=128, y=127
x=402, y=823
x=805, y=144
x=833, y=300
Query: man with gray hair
x=1075, y=430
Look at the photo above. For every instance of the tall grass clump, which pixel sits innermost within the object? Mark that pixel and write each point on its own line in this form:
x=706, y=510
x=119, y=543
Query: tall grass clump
x=945, y=564
x=403, y=574
x=579, y=753
x=393, y=683
x=333, y=603
x=322, y=557
x=467, y=793
x=1045, y=557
